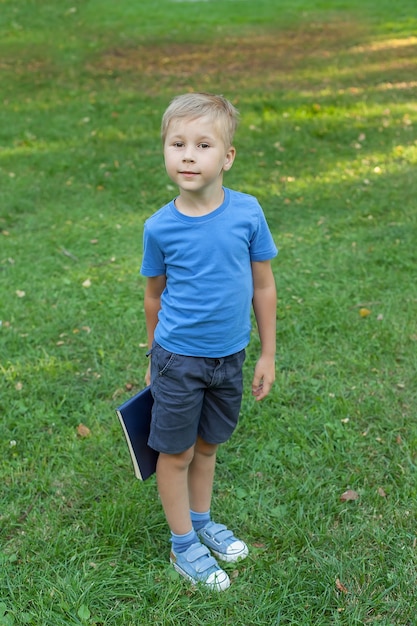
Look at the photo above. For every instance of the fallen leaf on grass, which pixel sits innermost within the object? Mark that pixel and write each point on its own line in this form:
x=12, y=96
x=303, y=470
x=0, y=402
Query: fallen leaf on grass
x=117, y=393
x=340, y=586
x=20, y=293
x=83, y=431
x=87, y=283
x=69, y=254
x=364, y=312
x=350, y=494
x=381, y=492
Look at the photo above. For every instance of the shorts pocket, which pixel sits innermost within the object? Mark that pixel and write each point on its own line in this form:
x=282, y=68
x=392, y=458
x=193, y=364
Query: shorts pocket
x=162, y=360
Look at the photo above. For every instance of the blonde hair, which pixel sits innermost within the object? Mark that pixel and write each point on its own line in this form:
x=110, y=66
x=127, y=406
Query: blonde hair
x=195, y=105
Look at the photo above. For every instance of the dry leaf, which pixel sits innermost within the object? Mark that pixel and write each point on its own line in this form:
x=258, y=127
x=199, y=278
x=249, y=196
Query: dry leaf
x=83, y=431
x=87, y=283
x=364, y=312
x=381, y=492
x=350, y=494
x=117, y=393
x=340, y=586
x=20, y=293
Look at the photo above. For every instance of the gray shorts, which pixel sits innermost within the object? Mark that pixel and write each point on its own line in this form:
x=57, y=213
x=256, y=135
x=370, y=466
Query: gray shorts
x=193, y=396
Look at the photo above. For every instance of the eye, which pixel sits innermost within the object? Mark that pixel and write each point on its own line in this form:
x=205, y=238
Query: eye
x=178, y=144
x=204, y=145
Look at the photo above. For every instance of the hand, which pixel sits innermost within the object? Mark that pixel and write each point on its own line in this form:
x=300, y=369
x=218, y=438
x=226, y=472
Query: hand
x=263, y=378
x=148, y=374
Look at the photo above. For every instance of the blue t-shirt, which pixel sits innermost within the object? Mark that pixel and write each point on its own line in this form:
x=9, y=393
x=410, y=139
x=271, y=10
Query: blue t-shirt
x=206, y=304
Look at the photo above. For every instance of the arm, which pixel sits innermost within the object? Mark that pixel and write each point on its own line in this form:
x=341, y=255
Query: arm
x=264, y=306
x=152, y=303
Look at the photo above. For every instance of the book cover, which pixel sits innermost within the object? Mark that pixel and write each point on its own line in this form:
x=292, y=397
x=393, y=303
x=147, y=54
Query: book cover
x=135, y=419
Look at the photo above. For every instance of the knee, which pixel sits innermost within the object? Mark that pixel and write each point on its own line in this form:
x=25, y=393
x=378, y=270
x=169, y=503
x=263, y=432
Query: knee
x=204, y=448
x=176, y=462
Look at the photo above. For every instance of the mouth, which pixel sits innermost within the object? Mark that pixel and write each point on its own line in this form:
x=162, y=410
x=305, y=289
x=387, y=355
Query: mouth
x=187, y=173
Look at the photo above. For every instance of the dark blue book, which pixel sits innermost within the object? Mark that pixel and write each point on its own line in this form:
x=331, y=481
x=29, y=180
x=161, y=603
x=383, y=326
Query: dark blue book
x=135, y=418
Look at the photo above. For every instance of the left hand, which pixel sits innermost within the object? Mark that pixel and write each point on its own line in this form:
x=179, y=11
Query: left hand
x=263, y=378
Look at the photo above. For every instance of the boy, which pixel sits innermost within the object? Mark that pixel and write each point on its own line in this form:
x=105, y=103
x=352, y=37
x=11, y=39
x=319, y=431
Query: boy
x=207, y=259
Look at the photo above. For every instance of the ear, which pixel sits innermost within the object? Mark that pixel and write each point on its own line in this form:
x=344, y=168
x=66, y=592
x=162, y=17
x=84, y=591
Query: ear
x=229, y=158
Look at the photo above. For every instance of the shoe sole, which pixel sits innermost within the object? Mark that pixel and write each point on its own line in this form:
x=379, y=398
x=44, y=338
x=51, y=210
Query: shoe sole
x=229, y=558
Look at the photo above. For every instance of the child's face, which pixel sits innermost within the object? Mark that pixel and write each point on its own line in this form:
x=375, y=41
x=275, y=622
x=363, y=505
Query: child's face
x=195, y=154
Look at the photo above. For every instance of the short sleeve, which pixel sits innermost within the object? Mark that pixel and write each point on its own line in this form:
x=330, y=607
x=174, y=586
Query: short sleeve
x=262, y=245
x=153, y=263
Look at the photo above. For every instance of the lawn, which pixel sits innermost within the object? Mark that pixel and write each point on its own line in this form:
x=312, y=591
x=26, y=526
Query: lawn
x=320, y=478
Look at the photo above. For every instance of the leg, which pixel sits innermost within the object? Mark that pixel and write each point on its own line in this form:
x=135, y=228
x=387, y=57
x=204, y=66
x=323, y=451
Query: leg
x=217, y=537
x=201, y=476
x=172, y=477
x=194, y=562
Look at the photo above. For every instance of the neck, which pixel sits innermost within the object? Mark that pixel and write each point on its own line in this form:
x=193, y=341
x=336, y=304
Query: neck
x=196, y=205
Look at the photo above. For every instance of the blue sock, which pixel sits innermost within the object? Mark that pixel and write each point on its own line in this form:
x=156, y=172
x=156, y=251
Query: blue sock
x=181, y=543
x=200, y=519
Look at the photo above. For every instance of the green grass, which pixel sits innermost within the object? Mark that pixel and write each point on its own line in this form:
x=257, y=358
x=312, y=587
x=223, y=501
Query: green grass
x=327, y=141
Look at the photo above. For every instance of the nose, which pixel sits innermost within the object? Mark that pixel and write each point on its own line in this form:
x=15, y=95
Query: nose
x=188, y=155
